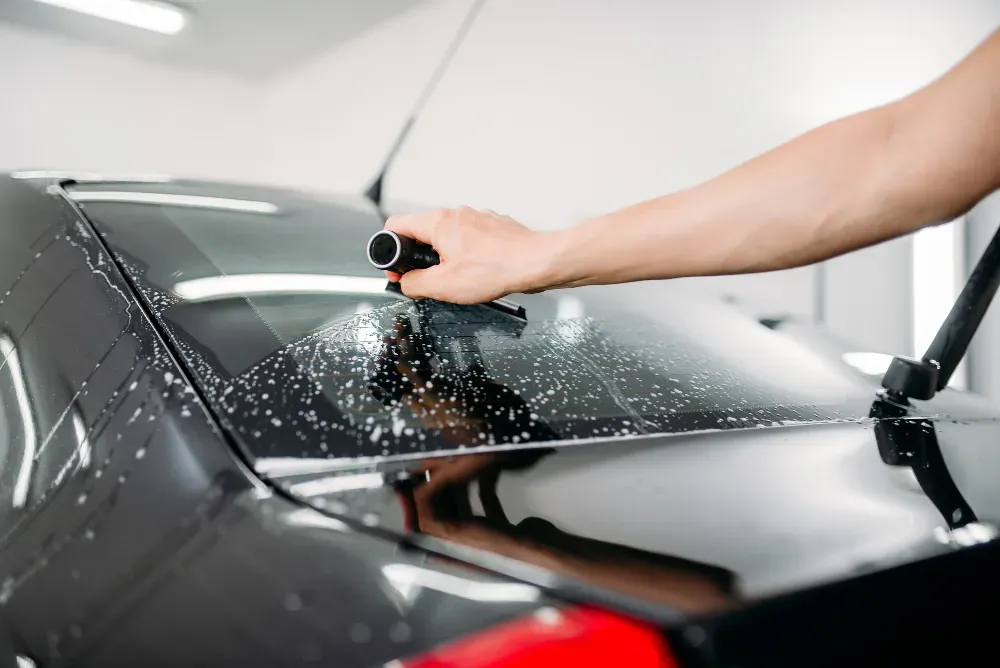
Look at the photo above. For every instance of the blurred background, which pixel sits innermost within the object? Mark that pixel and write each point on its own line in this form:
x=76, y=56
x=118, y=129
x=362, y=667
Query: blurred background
x=552, y=111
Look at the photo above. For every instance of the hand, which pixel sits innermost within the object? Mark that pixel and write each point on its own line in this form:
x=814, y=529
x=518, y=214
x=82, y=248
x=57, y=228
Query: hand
x=483, y=256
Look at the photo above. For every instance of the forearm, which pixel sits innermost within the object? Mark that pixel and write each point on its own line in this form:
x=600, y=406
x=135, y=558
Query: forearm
x=807, y=200
x=922, y=160
x=849, y=184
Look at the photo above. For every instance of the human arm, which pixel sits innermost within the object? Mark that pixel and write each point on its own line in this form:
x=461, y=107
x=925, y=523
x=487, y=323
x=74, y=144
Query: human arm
x=922, y=160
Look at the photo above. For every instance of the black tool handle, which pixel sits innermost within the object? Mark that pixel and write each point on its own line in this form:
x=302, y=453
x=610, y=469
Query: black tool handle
x=399, y=253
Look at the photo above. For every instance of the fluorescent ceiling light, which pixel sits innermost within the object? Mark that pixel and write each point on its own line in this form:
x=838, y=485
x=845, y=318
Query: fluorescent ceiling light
x=871, y=364
x=147, y=14
x=244, y=285
x=194, y=201
x=62, y=175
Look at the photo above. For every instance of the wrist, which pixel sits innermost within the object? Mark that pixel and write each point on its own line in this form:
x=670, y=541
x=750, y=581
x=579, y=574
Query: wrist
x=546, y=265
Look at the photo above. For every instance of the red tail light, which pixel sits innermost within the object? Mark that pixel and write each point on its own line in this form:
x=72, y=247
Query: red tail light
x=577, y=638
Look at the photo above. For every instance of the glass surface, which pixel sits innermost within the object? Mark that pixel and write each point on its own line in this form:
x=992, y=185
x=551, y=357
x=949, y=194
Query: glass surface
x=303, y=353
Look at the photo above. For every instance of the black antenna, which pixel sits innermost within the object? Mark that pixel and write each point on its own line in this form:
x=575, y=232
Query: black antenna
x=374, y=191
x=922, y=379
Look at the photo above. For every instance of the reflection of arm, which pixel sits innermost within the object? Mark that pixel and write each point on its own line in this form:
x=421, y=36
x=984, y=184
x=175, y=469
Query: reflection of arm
x=462, y=403
x=443, y=511
x=686, y=585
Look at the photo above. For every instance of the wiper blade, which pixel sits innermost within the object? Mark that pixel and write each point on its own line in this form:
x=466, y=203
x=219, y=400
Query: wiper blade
x=909, y=378
x=505, y=306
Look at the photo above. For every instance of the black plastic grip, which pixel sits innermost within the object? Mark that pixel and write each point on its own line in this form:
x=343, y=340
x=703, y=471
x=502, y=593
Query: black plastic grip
x=395, y=252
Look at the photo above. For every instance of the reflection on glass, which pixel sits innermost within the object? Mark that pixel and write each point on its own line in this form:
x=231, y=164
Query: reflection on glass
x=246, y=285
x=465, y=405
x=436, y=493
x=12, y=359
x=163, y=199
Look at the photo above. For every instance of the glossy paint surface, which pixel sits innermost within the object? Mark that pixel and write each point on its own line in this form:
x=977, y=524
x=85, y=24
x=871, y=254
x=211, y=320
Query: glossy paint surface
x=137, y=537
x=763, y=485
x=714, y=456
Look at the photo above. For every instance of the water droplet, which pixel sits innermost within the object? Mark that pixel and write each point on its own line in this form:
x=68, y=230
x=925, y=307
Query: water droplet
x=140, y=453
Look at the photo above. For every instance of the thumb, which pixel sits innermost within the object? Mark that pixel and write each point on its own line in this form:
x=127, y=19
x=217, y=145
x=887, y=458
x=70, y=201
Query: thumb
x=421, y=283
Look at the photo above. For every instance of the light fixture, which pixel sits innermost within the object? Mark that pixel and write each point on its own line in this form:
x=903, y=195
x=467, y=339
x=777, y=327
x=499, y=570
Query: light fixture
x=147, y=14
x=871, y=364
x=164, y=199
x=244, y=285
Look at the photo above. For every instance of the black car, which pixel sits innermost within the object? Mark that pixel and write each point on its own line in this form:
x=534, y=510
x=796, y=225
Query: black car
x=227, y=440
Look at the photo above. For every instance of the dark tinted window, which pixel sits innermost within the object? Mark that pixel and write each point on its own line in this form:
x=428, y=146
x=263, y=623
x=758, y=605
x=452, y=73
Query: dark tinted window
x=271, y=302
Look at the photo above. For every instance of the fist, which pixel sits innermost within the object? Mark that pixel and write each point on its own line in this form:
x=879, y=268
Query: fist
x=483, y=255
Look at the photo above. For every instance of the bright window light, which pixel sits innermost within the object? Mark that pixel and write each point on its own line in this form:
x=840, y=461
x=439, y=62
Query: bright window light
x=870, y=364
x=163, y=199
x=937, y=269
x=240, y=285
x=147, y=14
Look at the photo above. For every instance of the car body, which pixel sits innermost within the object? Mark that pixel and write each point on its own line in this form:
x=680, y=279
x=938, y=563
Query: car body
x=227, y=442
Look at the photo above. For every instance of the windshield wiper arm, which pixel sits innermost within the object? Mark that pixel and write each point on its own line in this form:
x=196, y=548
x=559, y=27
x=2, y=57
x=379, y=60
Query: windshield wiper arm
x=909, y=378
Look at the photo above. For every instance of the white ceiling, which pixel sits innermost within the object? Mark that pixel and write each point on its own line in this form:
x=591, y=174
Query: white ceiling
x=251, y=39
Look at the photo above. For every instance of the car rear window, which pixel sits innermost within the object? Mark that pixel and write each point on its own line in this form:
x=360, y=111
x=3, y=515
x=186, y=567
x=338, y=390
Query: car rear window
x=302, y=352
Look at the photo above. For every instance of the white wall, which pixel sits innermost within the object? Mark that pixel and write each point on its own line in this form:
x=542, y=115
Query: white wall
x=553, y=110
x=64, y=104
x=559, y=109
